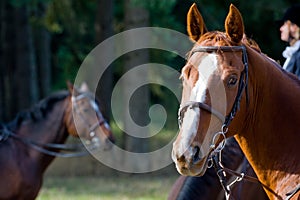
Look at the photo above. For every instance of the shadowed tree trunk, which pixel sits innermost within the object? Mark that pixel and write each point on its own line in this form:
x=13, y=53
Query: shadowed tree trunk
x=136, y=16
x=7, y=57
x=25, y=70
x=104, y=29
x=42, y=42
x=19, y=88
x=2, y=34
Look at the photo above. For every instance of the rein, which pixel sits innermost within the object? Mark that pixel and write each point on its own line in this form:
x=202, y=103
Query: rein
x=75, y=150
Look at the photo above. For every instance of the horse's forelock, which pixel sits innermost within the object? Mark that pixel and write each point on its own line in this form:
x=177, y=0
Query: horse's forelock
x=221, y=39
x=215, y=38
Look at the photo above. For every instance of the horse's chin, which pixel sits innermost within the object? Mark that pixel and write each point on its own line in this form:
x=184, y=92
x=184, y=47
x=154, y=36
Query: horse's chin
x=194, y=169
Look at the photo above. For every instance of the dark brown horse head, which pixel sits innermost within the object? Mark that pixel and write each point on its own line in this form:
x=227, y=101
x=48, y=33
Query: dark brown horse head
x=84, y=119
x=210, y=79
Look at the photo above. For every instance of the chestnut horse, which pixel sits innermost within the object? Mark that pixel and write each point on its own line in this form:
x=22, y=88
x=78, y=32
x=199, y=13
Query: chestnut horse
x=231, y=89
x=31, y=141
x=208, y=186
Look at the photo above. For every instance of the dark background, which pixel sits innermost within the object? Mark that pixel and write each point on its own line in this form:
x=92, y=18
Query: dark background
x=43, y=43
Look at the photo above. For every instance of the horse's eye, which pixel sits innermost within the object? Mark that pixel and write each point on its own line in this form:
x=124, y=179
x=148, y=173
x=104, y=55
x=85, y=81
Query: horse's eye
x=232, y=81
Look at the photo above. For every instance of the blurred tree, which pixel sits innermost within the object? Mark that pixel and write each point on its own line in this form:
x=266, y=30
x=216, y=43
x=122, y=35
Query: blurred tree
x=2, y=78
x=19, y=79
x=135, y=16
x=73, y=38
x=103, y=30
x=42, y=43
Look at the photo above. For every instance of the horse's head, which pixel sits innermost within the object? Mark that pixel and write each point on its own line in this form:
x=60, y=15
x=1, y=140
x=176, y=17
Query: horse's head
x=213, y=77
x=84, y=118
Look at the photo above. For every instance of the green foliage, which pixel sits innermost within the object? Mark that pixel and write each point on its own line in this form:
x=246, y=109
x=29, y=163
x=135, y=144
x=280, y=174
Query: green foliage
x=160, y=12
x=31, y=3
x=72, y=26
x=74, y=21
x=70, y=23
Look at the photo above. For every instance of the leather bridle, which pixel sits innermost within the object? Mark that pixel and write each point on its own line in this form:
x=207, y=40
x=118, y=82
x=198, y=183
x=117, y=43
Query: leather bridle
x=101, y=121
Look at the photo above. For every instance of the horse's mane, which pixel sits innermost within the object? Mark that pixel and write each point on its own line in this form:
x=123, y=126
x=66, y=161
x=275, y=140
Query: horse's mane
x=290, y=75
x=38, y=111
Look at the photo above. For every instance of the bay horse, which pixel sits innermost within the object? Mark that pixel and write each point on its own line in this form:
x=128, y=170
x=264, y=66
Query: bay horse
x=231, y=89
x=208, y=187
x=31, y=141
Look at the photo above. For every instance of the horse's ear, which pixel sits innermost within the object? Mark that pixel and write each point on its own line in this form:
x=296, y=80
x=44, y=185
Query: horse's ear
x=70, y=86
x=84, y=87
x=195, y=23
x=72, y=89
x=234, y=25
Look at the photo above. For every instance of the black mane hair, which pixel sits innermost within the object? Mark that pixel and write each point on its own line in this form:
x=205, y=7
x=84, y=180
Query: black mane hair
x=39, y=110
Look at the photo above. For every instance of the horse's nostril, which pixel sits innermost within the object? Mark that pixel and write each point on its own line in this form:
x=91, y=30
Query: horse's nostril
x=181, y=158
x=196, y=154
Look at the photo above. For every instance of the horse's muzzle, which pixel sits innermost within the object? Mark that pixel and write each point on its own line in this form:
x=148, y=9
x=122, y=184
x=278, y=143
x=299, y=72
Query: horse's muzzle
x=190, y=162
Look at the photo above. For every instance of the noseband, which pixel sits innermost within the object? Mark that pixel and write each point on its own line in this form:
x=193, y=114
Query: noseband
x=242, y=86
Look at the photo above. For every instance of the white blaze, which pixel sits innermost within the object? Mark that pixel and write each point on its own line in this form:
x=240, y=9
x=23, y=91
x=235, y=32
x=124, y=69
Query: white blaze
x=206, y=68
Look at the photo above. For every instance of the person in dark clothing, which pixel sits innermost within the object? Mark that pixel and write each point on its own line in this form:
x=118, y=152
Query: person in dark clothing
x=290, y=32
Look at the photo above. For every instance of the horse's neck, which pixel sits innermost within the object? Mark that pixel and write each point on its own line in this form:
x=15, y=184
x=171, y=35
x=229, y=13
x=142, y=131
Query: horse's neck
x=43, y=131
x=270, y=132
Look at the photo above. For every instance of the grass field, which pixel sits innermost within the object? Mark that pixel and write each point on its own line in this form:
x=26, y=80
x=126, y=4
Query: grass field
x=69, y=179
x=131, y=187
